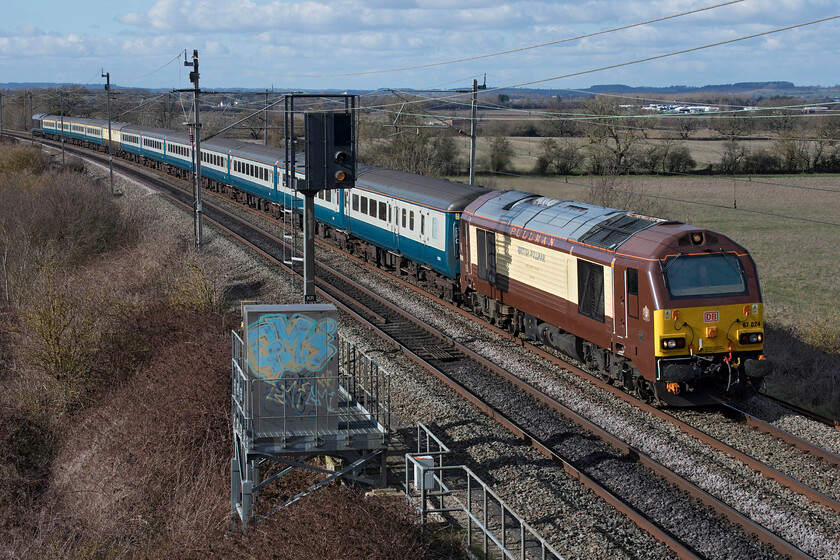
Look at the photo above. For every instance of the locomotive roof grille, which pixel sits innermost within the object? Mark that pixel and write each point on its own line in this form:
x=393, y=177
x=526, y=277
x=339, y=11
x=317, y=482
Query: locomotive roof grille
x=611, y=233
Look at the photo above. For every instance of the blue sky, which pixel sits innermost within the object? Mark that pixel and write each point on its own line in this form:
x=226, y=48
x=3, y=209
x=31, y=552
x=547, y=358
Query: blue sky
x=293, y=44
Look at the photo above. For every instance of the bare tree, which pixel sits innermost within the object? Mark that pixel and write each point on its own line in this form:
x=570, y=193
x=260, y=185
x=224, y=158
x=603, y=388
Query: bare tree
x=734, y=125
x=617, y=190
x=564, y=159
x=611, y=133
x=501, y=153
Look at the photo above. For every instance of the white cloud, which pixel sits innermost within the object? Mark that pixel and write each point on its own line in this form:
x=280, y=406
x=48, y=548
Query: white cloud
x=241, y=41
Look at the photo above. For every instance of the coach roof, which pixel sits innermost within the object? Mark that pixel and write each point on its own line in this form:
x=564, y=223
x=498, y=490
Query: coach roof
x=427, y=191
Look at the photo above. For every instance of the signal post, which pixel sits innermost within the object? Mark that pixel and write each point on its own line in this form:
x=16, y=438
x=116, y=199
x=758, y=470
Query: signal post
x=330, y=163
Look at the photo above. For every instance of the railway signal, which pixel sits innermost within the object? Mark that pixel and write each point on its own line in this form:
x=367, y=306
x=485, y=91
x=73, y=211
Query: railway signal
x=330, y=153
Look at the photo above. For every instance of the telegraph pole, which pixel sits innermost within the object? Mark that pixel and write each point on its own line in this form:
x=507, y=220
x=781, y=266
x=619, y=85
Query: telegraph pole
x=61, y=103
x=265, y=117
x=107, y=76
x=197, y=150
x=474, y=126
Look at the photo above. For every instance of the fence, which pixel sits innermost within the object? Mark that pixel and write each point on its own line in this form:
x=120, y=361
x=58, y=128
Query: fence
x=456, y=490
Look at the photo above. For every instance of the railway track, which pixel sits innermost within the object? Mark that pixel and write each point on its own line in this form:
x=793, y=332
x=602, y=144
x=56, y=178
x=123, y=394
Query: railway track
x=469, y=372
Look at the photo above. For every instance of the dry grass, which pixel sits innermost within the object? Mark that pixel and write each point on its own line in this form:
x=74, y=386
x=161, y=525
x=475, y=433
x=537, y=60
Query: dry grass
x=138, y=465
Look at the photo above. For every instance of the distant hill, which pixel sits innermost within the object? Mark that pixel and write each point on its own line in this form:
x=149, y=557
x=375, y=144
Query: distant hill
x=749, y=89
x=741, y=88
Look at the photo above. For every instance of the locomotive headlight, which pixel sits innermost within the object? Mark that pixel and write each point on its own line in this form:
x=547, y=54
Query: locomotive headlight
x=751, y=338
x=672, y=343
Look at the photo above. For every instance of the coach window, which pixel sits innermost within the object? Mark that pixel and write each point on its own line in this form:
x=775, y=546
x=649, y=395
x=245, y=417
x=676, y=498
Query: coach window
x=411, y=220
x=591, y=290
x=328, y=196
x=355, y=203
x=383, y=211
x=422, y=224
x=372, y=208
x=364, y=205
x=403, y=217
x=434, y=227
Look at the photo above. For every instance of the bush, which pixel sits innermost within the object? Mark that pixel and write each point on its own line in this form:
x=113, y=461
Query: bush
x=679, y=160
x=501, y=153
x=761, y=161
x=54, y=220
x=23, y=159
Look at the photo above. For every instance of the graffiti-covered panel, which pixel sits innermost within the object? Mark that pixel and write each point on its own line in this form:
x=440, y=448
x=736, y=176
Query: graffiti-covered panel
x=291, y=354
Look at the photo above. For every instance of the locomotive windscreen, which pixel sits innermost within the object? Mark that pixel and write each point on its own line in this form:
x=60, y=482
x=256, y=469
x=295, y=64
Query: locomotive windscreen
x=704, y=276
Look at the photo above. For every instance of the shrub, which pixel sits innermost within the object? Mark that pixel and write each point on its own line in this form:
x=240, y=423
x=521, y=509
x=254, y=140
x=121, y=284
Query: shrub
x=679, y=160
x=23, y=159
x=761, y=161
x=198, y=285
x=60, y=337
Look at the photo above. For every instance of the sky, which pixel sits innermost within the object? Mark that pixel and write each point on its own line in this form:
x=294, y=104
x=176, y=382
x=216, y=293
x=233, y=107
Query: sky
x=373, y=44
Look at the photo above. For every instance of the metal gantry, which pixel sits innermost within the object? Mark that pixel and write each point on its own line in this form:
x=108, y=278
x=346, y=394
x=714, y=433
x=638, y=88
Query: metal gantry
x=284, y=416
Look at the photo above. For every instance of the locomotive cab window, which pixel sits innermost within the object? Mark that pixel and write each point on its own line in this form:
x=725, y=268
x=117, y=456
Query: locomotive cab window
x=704, y=276
x=591, y=290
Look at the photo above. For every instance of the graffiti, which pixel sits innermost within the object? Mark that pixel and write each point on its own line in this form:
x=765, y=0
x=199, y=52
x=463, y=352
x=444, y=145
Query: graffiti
x=278, y=344
x=303, y=396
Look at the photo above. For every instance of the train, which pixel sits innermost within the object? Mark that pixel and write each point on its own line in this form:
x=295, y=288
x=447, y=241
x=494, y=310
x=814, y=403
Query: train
x=671, y=312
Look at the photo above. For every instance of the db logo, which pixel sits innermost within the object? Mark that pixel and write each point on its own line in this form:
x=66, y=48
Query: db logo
x=711, y=316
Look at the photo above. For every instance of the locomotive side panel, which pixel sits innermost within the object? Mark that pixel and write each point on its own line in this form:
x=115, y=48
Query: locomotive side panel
x=569, y=292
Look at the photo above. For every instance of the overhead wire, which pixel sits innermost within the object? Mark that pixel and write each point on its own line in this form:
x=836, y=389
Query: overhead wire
x=647, y=59
x=156, y=70
x=510, y=51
